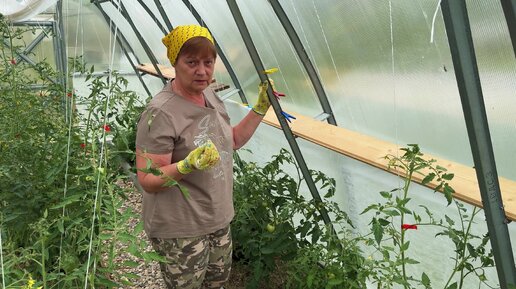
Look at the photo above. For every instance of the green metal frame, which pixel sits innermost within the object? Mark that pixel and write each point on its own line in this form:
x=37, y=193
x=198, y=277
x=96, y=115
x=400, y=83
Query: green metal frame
x=146, y=47
x=305, y=59
x=149, y=12
x=60, y=43
x=124, y=45
x=22, y=55
x=163, y=14
x=251, y=48
x=466, y=71
x=509, y=9
x=56, y=26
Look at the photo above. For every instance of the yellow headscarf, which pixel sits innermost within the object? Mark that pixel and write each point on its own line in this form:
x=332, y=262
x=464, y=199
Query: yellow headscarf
x=179, y=35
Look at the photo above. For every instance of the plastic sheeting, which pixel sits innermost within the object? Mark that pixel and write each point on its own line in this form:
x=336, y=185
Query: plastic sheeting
x=21, y=10
x=384, y=77
x=382, y=73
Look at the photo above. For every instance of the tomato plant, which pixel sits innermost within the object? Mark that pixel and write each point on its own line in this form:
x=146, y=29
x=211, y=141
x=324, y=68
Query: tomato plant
x=59, y=195
x=267, y=201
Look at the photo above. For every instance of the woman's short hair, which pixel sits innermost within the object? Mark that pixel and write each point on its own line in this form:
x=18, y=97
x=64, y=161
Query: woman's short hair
x=198, y=46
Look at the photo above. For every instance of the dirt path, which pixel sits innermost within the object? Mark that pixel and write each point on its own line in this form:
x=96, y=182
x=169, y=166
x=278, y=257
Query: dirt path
x=150, y=275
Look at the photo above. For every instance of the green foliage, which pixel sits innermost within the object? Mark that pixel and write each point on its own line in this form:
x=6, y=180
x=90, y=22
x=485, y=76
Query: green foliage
x=268, y=202
x=389, y=230
x=60, y=158
x=33, y=137
x=336, y=263
x=274, y=222
x=150, y=168
x=60, y=197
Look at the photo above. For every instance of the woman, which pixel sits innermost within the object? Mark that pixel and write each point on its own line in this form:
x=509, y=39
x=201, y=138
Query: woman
x=186, y=135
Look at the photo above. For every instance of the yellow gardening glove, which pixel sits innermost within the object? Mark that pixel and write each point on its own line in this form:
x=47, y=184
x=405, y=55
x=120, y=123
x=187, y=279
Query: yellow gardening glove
x=263, y=103
x=201, y=158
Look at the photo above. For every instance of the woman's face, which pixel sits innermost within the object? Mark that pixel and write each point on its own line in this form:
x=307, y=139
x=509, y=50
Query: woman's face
x=194, y=72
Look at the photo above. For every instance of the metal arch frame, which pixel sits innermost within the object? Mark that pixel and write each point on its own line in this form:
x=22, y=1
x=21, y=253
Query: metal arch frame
x=123, y=43
x=509, y=9
x=468, y=80
x=22, y=55
x=169, y=26
x=146, y=8
x=163, y=14
x=223, y=57
x=244, y=32
x=60, y=54
x=60, y=43
x=305, y=59
x=120, y=33
x=146, y=47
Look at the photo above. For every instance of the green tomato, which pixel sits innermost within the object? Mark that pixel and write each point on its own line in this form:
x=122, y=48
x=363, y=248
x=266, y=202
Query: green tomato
x=270, y=228
x=89, y=178
x=331, y=275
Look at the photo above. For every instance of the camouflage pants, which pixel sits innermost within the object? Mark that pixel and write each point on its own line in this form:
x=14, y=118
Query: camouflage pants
x=197, y=262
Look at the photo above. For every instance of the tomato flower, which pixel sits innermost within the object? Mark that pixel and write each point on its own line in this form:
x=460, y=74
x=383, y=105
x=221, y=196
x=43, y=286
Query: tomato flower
x=408, y=227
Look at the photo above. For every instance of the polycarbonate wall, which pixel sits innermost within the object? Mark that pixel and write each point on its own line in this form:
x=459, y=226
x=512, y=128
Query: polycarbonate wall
x=382, y=73
x=44, y=50
x=385, y=65
x=497, y=66
x=385, y=78
x=358, y=186
x=88, y=36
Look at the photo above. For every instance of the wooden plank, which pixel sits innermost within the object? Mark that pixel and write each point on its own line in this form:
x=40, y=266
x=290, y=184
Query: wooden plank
x=372, y=151
x=169, y=73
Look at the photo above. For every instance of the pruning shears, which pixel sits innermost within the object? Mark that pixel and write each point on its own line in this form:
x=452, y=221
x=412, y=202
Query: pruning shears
x=288, y=116
x=277, y=94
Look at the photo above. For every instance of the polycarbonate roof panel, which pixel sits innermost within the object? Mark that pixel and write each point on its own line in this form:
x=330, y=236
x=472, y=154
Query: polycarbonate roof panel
x=87, y=34
x=497, y=66
x=146, y=26
x=385, y=65
x=388, y=71
x=275, y=50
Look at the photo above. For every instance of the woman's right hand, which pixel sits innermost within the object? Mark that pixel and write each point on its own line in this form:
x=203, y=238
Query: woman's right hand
x=201, y=158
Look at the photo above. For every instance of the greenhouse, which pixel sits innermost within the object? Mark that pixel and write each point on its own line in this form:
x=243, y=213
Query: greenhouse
x=257, y=144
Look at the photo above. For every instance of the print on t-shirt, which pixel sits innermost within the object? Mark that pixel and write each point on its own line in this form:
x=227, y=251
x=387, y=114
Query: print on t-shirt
x=203, y=136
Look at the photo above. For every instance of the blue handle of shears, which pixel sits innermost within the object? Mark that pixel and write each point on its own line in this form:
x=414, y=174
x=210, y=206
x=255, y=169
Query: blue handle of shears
x=287, y=116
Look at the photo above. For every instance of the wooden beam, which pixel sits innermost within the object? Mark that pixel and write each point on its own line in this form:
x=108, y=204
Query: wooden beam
x=372, y=151
x=169, y=73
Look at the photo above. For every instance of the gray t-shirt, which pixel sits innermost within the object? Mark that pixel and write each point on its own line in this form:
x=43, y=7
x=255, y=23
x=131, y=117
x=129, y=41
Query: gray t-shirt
x=172, y=124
